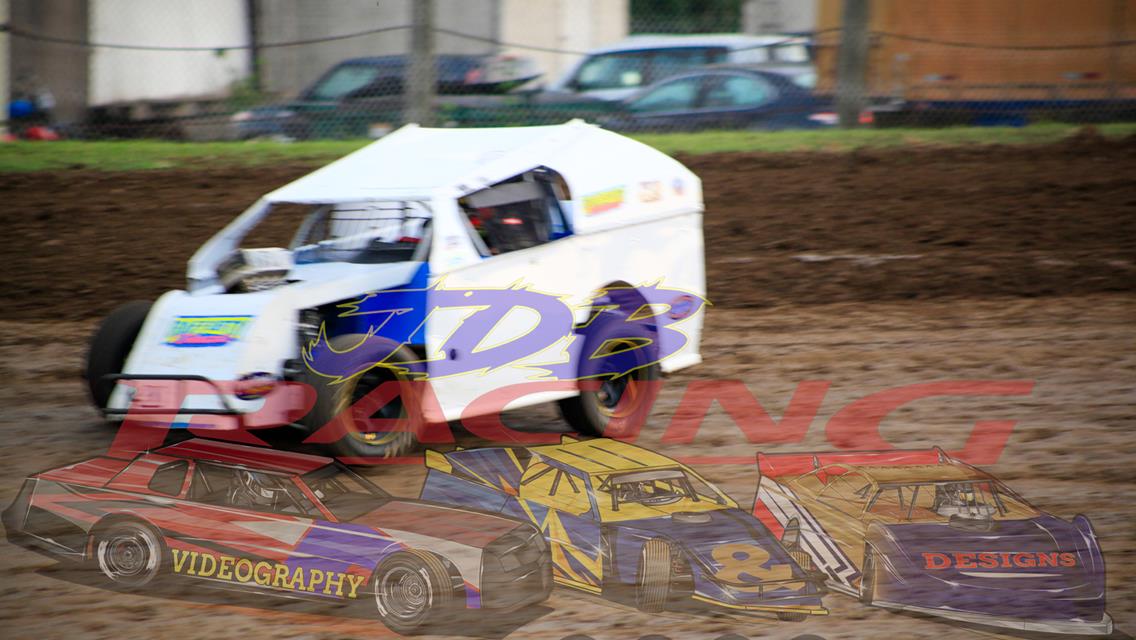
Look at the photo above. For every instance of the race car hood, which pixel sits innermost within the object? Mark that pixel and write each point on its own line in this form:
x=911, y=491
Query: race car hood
x=225, y=336
x=701, y=534
x=1043, y=552
x=404, y=519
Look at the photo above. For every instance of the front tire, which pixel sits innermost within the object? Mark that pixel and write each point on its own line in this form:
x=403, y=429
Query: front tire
x=130, y=554
x=868, y=577
x=656, y=573
x=109, y=347
x=412, y=591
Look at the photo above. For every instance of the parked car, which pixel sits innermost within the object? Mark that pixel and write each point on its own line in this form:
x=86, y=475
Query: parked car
x=596, y=237
x=719, y=97
x=355, y=94
x=619, y=516
x=280, y=524
x=619, y=70
x=922, y=532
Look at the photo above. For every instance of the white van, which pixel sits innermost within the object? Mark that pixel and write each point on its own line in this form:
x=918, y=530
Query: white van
x=476, y=260
x=617, y=71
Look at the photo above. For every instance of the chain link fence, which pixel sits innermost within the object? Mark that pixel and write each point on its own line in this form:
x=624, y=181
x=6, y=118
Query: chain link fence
x=290, y=69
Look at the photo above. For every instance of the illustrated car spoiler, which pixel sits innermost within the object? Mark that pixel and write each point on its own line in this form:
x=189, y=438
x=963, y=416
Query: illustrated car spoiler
x=775, y=465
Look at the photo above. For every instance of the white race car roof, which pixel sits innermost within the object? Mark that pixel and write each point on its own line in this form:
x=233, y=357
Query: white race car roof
x=604, y=171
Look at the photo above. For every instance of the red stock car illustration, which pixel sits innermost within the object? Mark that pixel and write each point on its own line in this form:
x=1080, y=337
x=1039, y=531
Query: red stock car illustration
x=279, y=523
x=922, y=532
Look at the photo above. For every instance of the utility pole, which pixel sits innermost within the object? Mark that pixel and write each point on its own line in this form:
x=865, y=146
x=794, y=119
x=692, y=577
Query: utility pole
x=852, y=63
x=420, y=78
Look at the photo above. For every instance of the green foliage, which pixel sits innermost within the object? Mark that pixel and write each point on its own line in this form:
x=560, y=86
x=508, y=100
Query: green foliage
x=686, y=16
x=155, y=154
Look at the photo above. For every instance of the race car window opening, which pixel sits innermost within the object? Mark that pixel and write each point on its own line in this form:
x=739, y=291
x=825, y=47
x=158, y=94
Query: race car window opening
x=169, y=478
x=343, y=492
x=226, y=486
x=543, y=486
x=928, y=501
x=652, y=488
x=365, y=233
x=516, y=214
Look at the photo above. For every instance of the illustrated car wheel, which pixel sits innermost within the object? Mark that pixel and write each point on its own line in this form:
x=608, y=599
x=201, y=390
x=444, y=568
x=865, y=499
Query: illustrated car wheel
x=412, y=590
x=805, y=562
x=129, y=554
x=109, y=347
x=656, y=572
x=614, y=401
x=868, y=577
x=335, y=398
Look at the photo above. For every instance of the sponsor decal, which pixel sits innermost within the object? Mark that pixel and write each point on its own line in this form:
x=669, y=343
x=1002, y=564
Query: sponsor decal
x=603, y=201
x=266, y=574
x=650, y=191
x=998, y=560
x=683, y=306
x=206, y=331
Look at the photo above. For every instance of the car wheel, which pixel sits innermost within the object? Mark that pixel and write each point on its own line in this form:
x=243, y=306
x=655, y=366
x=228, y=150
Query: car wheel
x=868, y=577
x=656, y=572
x=412, y=590
x=129, y=554
x=335, y=398
x=614, y=403
x=109, y=347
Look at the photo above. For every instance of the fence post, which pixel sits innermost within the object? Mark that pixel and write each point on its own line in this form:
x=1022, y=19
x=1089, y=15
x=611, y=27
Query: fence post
x=420, y=76
x=5, y=98
x=852, y=63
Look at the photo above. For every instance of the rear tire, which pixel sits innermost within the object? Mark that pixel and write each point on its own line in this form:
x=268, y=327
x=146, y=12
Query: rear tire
x=412, y=591
x=109, y=347
x=334, y=399
x=623, y=401
x=656, y=572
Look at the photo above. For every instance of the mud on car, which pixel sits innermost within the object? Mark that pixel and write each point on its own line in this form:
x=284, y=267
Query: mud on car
x=281, y=524
x=474, y=259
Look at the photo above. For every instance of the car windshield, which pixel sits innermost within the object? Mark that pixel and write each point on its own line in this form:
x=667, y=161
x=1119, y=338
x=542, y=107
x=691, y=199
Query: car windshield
x=656, y=488
x=364, y=233
x=935, y=501
x=346, y=494
x=344, y=79
x=632, y=69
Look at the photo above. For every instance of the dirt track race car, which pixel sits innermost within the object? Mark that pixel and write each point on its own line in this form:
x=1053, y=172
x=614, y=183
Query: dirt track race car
x=922, y=532
x=620, y=517
x=474, y=259
x=279, y=523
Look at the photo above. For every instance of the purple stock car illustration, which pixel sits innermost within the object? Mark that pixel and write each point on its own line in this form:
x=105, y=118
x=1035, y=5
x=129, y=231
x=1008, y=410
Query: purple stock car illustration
x=620, y=519
x=922, y=532
x=279, y=523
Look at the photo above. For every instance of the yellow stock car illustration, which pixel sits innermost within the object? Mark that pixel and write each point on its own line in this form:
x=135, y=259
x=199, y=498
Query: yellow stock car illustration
x=619, y=517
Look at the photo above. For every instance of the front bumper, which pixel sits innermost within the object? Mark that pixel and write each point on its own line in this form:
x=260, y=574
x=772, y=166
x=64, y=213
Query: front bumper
x=516, y=571
x=1103, y=627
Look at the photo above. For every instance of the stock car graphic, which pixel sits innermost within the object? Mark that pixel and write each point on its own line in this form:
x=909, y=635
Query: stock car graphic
x=279, y=523
x=621, y=518
x=919, y=531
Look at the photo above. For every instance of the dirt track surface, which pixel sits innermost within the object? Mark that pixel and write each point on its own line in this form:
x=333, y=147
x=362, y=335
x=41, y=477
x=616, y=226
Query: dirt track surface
x=803, y=228
x=1025, y=274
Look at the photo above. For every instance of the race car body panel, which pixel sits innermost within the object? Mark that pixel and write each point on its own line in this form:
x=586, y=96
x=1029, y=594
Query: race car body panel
x=309, y=527
x=938, y=536
x=598, y=502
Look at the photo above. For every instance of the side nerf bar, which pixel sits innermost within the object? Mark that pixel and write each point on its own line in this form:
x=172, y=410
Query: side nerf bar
x=164, y=392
